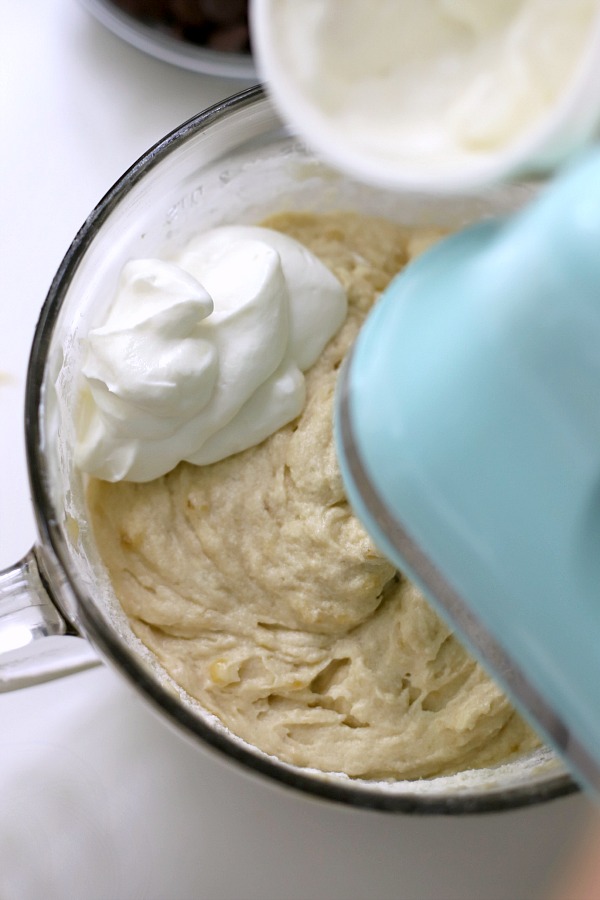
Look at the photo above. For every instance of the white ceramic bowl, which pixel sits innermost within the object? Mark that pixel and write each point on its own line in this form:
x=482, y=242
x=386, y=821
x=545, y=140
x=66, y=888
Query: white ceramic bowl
x=156, y=42
x=569, y=124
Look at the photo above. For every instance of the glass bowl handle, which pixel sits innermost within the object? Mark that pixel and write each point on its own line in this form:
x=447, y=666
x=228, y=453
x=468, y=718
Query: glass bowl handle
x=36, y=642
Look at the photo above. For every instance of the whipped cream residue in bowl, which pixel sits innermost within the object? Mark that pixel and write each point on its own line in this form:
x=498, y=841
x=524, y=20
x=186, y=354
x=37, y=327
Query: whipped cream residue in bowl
x=203, y=357
x=435, y=95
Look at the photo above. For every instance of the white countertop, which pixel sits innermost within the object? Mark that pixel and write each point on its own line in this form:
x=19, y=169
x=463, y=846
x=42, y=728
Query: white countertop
x=98, y=798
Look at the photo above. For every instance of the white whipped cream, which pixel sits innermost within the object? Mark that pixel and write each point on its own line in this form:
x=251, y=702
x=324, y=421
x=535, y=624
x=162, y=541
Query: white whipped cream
x=423, y=82
x=203, y=357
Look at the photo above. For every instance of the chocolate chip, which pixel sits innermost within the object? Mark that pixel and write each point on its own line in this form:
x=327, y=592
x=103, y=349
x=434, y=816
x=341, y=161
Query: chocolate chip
x=232, y=39
x=224, y=12
x=188, y=13
x=144, y=9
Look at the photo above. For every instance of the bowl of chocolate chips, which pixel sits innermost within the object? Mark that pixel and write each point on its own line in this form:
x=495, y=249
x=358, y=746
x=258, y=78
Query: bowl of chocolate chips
x=206, y=36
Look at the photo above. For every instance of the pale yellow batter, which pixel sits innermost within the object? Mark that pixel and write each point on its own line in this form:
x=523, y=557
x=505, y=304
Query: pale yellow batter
x=261, y=594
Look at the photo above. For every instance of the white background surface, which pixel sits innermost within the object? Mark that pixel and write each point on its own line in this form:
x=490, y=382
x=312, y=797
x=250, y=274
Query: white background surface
x=98, y=798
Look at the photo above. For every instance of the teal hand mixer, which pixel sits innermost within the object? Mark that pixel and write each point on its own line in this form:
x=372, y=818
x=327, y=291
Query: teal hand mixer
x=468, y=431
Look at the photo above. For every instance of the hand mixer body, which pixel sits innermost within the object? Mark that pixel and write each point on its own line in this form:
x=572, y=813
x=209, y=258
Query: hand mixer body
x=468, y=429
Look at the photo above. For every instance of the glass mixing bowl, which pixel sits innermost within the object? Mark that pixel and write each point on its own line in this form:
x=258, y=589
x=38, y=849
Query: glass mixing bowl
x=235, y=162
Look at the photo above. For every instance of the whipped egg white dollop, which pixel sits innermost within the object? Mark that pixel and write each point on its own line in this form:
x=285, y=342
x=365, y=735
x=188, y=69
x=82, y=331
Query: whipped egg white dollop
x=203, y=357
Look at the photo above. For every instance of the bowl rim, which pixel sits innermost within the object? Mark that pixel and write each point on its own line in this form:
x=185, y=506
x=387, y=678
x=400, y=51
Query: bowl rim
x=355, y=793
